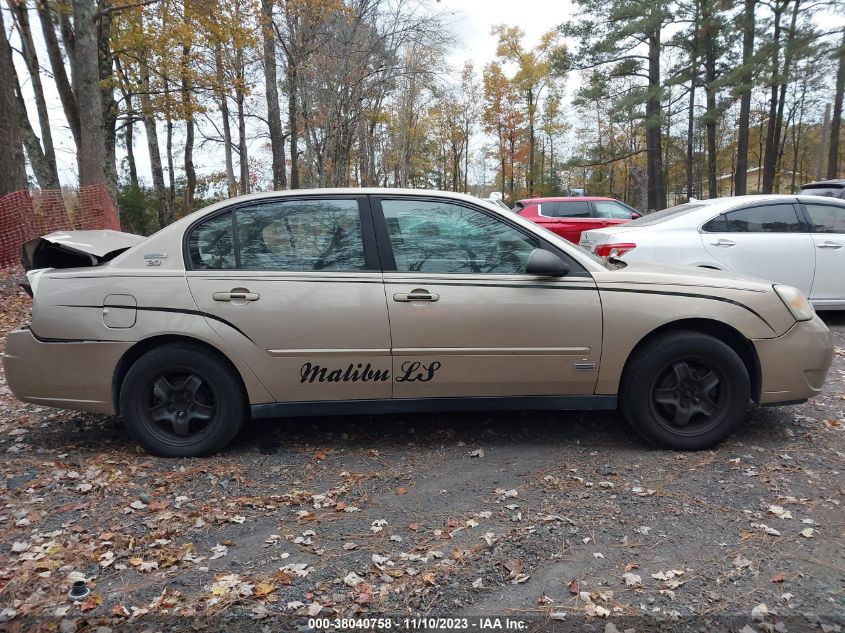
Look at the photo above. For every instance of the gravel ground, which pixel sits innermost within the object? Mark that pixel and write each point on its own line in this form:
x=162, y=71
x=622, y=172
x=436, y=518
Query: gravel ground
x=568, y=520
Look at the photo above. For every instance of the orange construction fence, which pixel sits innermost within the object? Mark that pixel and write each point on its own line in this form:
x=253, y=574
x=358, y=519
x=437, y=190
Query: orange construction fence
x=25, y=215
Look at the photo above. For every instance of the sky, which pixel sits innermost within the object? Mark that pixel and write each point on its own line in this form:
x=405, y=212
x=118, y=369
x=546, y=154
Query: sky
x=473, y=20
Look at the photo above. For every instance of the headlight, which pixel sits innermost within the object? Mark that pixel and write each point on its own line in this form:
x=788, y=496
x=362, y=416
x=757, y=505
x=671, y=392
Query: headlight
x=795, y=301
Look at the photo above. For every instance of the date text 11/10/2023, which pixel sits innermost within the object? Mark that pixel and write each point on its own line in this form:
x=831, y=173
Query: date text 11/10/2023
x=431, y=624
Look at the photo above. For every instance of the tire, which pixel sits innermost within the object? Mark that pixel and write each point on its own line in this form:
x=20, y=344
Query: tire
x=179, y=400
x=685, y=391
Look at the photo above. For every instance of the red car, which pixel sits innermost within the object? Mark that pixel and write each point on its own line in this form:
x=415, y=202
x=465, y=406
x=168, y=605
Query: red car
x=569, y=217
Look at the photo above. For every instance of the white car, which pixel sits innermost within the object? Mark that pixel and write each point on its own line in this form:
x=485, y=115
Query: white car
x=795, y=240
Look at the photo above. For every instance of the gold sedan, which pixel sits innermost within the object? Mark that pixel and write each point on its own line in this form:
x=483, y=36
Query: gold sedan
x=384, y=301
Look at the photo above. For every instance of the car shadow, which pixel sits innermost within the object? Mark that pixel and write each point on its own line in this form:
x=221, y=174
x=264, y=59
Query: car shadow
x=833, y=317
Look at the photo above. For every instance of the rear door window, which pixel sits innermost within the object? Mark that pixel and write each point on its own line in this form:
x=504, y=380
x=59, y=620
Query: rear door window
x=611, y=210
x=568, y=209
x=771, y=218
x=826, y=218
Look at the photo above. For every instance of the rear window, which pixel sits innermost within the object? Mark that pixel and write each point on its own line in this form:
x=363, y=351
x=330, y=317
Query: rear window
x=831, y=191
x=666, y=214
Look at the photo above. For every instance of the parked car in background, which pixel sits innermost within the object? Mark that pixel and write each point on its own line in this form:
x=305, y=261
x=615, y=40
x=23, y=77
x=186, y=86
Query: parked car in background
x=829, y=188
x=498, y=202
x=796, y=240
x=347, y=301
x=569, y=217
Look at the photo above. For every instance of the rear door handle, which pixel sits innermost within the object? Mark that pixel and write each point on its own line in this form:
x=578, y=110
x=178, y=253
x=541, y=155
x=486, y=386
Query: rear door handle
x=724, y=243
x=415, y=295
x=833, y=245
x=236, y=295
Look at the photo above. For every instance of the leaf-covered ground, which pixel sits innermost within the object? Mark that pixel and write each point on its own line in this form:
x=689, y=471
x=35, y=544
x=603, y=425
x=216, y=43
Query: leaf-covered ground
x=569, y=519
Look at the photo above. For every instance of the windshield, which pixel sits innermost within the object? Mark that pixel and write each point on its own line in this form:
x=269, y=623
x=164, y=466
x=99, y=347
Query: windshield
x=667, y=214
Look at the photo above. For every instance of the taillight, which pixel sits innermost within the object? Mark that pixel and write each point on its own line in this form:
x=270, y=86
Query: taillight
x=614, y=250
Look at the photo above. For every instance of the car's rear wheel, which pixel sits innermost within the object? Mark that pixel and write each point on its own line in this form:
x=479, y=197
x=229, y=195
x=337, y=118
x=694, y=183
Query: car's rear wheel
x=685, y=391
x=182, y=401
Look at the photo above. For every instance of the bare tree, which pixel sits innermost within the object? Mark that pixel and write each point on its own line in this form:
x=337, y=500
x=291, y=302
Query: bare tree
x=12, y=164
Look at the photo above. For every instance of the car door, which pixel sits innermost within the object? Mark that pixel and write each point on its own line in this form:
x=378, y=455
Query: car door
x=571, y=218
x=827, y=228
x=293, y=285
x=465, y=318
x=768, y=240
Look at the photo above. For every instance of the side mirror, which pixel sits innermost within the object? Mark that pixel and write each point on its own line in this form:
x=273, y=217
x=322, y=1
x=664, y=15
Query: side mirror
x=545, y=264
x=635, y=215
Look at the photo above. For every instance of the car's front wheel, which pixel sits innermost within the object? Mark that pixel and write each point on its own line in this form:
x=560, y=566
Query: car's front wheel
x=182, y=401
x=685, y=391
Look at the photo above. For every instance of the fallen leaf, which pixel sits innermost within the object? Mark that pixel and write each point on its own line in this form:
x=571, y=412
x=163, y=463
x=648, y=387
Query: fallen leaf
x=778, y=578
x=479, y=452
x=401, y=491
x=514, y=566
x=264, y=589
x=632, y=580
x=573, y=587
x=91, y=603
x=314, y=609
x=808, y=532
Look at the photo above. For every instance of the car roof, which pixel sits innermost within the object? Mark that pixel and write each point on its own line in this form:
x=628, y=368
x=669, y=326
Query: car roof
x=567, y=199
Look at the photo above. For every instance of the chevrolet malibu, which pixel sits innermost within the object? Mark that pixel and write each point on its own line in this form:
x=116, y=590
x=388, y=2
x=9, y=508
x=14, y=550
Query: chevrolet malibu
x=386, y=301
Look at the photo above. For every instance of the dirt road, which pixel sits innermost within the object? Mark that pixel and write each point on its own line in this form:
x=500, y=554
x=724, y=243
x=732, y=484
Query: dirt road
x=569, y=519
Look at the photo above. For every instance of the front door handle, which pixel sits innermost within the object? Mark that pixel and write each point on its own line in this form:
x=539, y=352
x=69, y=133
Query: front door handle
x=236, y=295
x=833, y=245
x=724, y=243
x=415, y=295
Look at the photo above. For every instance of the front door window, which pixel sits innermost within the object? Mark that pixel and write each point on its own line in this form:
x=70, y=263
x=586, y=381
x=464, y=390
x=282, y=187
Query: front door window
x=440, y=237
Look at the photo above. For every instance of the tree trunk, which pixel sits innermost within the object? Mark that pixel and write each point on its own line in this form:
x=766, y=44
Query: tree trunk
x=168, y=118
x=772, y=125
x=12, y=163
x=164, y=211
x=109, y=105
x=293, y=125
x=243, y=158
x=129, y=129
x=271, y=92
x=691, y=110
x=188, y=111
x=41, y=167
x=789, y=53
x=654, y=145
x=748, y=29
x=57, y=65
x=232, y=186
x=21, y=12
x=86, y=88
x=531, y=143
x=712, y=116
x=833, y=152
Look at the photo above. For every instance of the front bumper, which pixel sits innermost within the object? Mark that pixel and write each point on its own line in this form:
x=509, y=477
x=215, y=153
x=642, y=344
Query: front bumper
x=795, y=365
x=67, y=374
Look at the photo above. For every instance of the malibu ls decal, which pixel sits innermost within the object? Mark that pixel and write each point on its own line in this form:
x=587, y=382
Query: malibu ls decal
x=412, y=371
